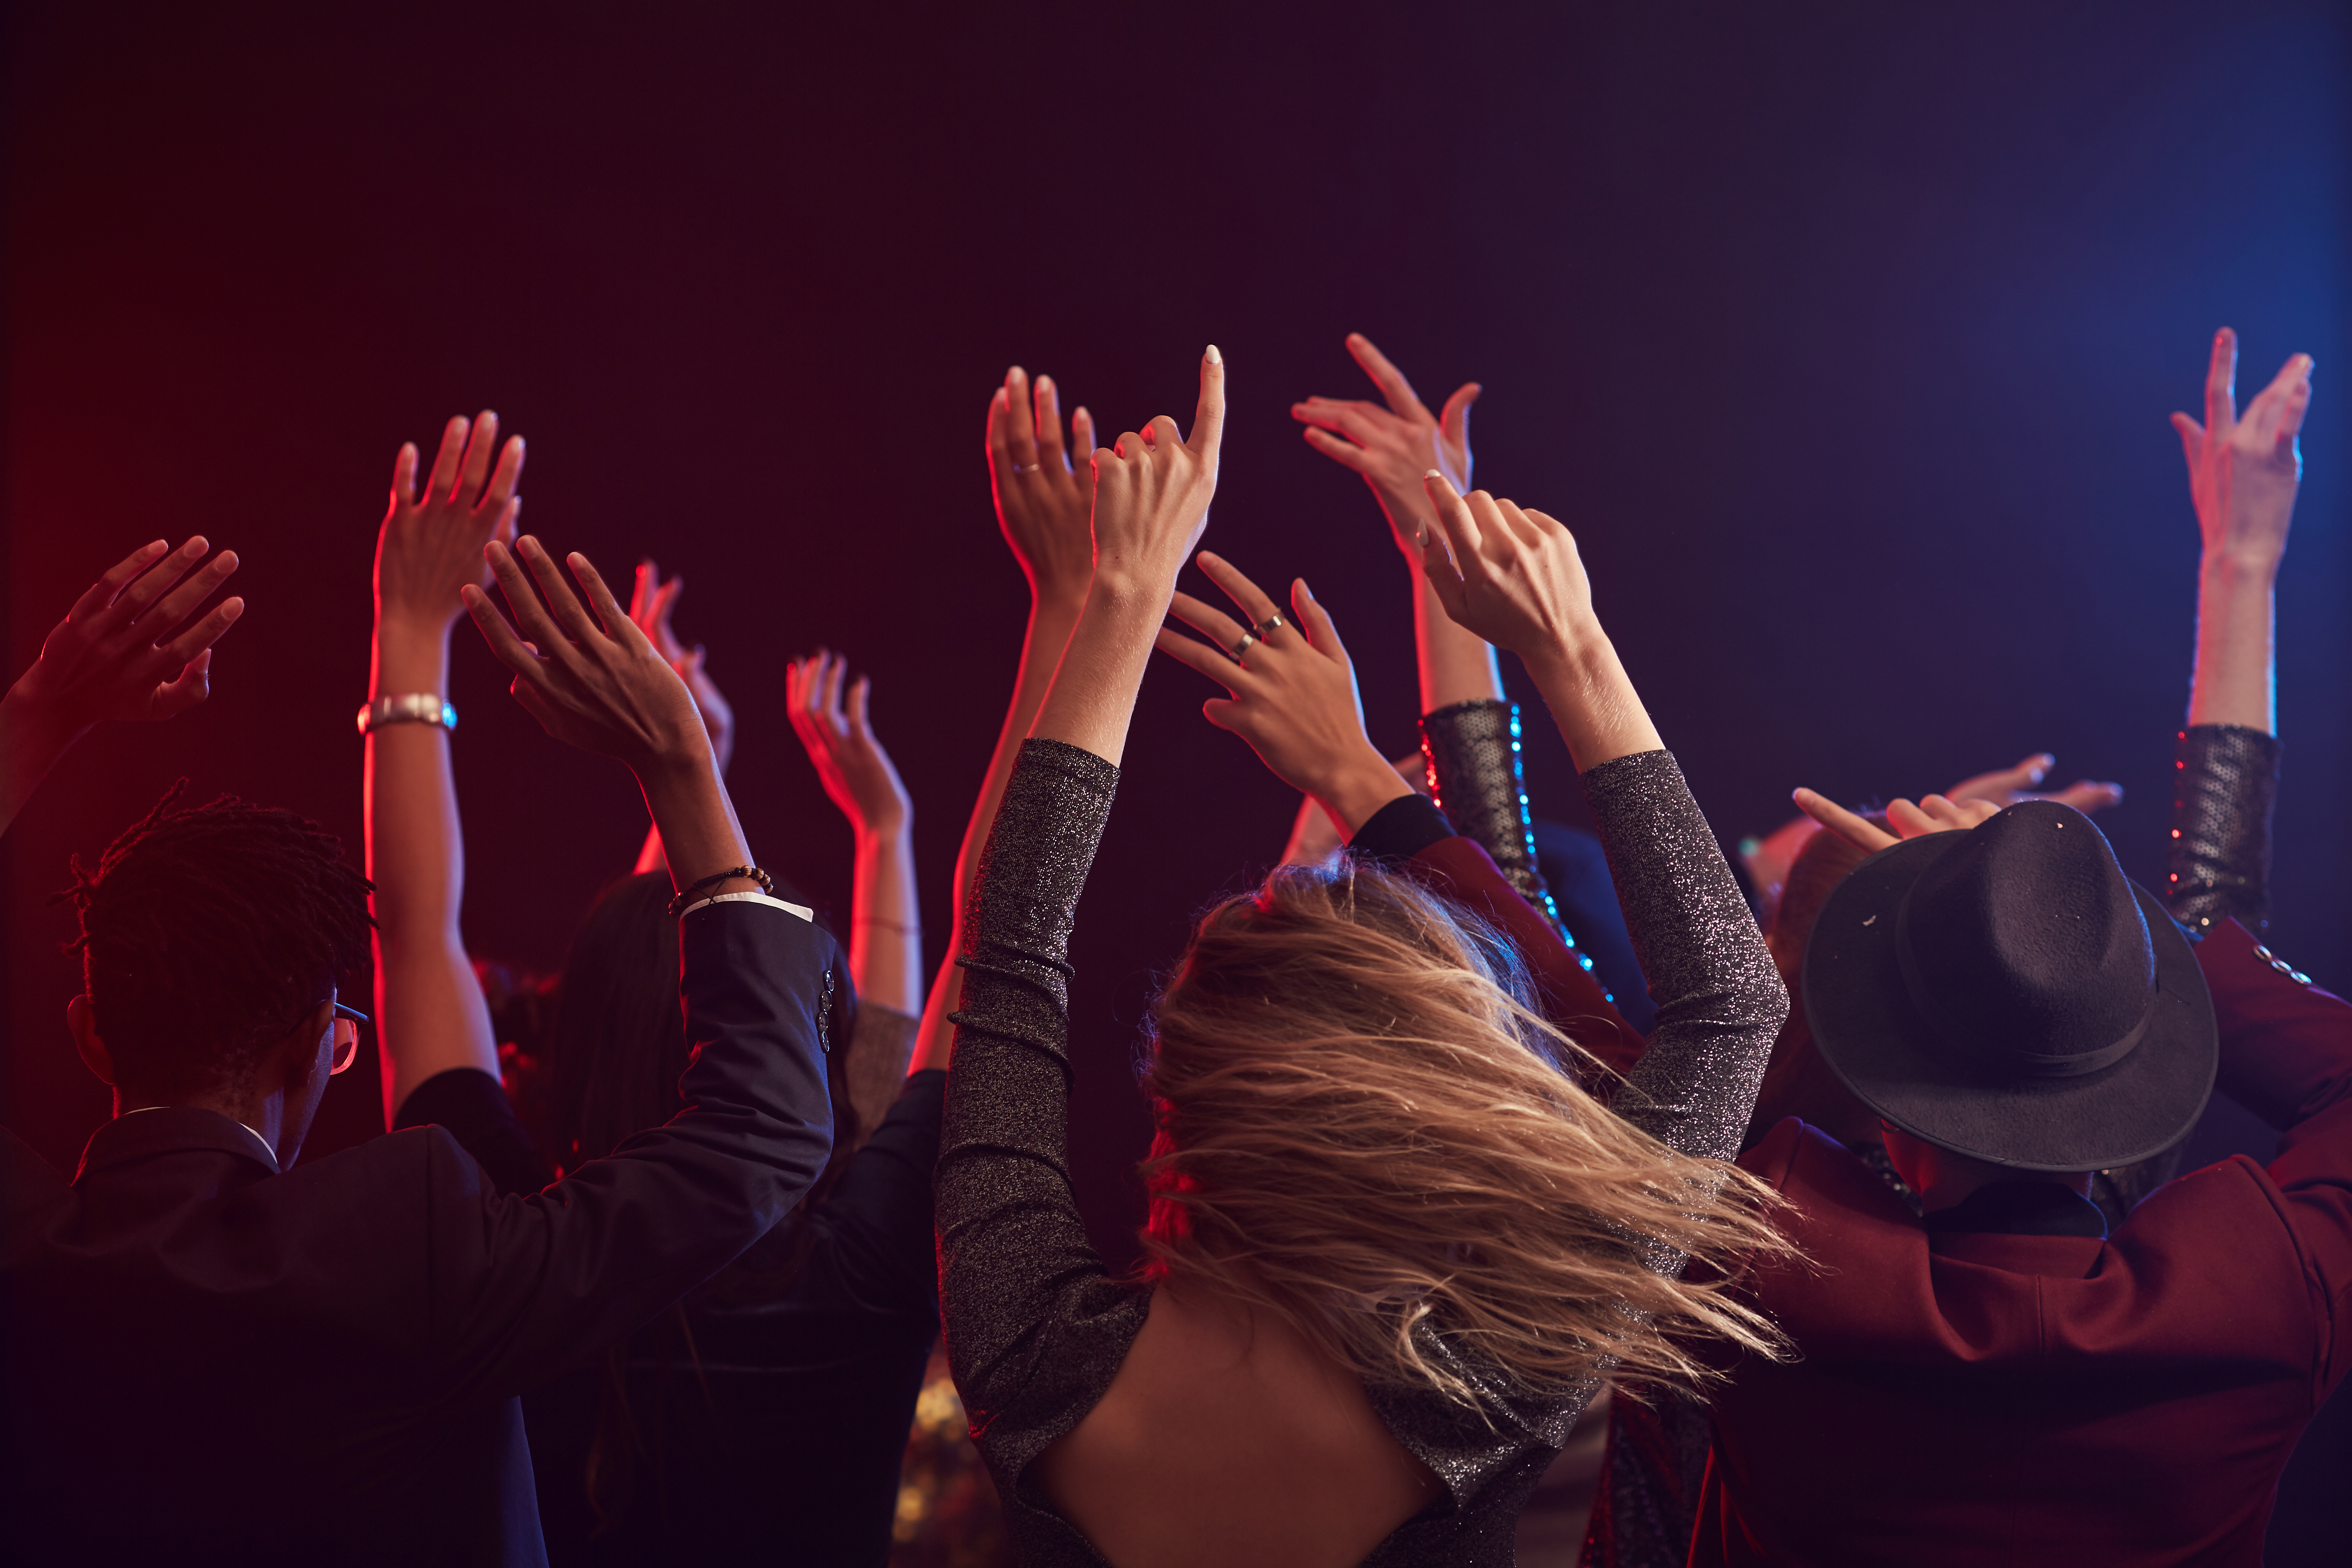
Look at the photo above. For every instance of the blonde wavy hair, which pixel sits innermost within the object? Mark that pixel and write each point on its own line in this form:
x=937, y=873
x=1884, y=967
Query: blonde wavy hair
x=1363, y=1127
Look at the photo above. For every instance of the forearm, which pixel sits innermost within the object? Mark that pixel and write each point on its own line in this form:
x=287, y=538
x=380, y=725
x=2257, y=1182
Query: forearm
x=1456, y=664
x=886, y=945
x=1593, y=701
x=1051, y=618
x=430, y=1015
x=2235, y=622
x=1092, y=700
x=1720, y=1000
x=30, y=744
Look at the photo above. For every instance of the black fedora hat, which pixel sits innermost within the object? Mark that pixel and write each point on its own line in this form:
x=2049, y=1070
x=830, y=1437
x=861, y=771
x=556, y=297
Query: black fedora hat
x=2009, y=993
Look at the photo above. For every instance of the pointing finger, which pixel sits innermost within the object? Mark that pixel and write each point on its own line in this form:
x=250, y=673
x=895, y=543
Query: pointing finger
x=1209, y=419
x=1386, y=377
x=2221, y=383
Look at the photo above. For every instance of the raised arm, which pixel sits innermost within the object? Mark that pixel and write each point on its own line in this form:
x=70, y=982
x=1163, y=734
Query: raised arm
x=429, y=1013
x=1392, y=444
x=127, y=649
x=652, y=601
x=2244, y=475
x=1514, y=577
x=525, y=1287
x=1043, y=502
x=1024, y=1294
x=885, y=939
x=1294, y=700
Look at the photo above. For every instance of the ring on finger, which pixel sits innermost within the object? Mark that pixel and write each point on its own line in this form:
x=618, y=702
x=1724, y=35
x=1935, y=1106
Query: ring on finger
x=1256, y=634
x=1026, y=467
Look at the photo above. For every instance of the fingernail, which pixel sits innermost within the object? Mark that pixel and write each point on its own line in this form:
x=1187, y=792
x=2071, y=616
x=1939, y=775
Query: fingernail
x=1432, y=474
x=1214, y=357
x=1304, y=590
x=1016, y=370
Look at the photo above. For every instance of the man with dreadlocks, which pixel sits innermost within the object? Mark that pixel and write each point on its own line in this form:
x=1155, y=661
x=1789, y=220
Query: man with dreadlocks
x=213, y=1354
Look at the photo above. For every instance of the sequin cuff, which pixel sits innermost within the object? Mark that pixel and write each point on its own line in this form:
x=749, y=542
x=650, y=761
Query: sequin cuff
x=1473, y=750
x=2225, y=779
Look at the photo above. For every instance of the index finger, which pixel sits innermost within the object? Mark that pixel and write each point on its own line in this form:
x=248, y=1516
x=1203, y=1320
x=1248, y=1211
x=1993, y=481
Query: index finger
x=2221, y=383
x=1854, y=830
x=1386, y=377
x=1209, y=419
x=102, y=591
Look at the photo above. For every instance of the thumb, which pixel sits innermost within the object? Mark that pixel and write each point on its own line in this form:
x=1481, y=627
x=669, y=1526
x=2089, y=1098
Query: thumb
x=192, y=686
x=1453, y=420
x=1322, y=632
x=1224, y=712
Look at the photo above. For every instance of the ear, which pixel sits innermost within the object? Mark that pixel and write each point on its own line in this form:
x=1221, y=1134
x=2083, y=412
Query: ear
x=307, y=1050
x=81, y=1020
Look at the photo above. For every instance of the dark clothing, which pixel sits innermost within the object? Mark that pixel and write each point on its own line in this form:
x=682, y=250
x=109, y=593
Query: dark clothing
x=773, y=1402
x=210, y=1361
x=1036, y=1326
x=1576, y=869
x=2029, y=1392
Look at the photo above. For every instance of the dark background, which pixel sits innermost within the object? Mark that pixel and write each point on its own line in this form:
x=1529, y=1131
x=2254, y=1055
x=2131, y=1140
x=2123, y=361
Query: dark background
x=1842, y=335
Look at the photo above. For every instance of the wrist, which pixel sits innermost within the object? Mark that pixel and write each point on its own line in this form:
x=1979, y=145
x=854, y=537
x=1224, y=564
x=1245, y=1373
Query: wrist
x=2239, y=567
x=884, y=831
x=1355, y=794
x=410, y=655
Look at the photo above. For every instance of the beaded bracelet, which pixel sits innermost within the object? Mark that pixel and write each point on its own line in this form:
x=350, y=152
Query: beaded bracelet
x=750, y=873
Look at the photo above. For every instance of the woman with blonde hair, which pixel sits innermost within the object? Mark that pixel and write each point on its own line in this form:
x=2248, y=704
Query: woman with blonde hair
x=1394, y=1246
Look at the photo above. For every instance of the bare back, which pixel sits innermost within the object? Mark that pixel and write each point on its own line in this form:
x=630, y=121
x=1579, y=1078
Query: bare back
x=1226, y=1437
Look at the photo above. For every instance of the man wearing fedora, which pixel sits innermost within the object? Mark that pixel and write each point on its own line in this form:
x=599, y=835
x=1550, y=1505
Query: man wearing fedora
x=1996, y=1377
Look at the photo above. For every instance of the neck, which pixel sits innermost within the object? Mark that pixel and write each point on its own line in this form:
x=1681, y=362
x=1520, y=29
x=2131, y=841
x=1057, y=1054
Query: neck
x=1945, y=1180
x=263, y=1112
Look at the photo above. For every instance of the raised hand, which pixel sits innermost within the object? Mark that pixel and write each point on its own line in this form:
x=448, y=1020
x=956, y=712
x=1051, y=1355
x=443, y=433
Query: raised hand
x=651, y=602
x=430, y=546
x=1934, y=813
x=1294, y=692
x=1514, y=577
x=1511, y=575
x=595, y=683
x=127, y=649
x=856, y=772
x=2244, y=472
x=1044, y=500
x=1394, y=446
x=2007, y=786
x=1152, y=492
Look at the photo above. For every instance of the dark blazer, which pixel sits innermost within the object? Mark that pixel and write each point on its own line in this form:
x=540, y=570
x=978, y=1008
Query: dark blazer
x=208, y=1359
x=2013, y=1386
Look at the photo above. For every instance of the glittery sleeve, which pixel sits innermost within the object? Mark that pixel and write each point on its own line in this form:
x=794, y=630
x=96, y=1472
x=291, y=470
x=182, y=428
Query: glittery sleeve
x=1473, y=753
x=1720, y=1001
x=1036, y=1326
x=2225, y=777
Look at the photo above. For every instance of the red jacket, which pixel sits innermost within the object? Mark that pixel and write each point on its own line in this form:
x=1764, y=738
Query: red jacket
x=2029, y=1399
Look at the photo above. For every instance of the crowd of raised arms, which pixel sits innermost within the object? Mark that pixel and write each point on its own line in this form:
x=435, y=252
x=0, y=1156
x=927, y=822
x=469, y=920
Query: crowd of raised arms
x=1518, y=1193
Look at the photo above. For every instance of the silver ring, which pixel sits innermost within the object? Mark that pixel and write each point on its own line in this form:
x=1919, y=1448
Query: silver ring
x=1026, y=467
x=1243, y=647
x=1268, y=626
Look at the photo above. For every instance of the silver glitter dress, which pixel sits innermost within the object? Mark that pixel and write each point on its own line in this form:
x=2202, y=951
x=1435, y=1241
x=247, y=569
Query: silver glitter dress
x=1036, y=1326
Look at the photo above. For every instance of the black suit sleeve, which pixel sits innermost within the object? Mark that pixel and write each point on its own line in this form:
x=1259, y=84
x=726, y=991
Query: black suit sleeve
x=474, y=1107
x=877, y=1217
x=523, y=1288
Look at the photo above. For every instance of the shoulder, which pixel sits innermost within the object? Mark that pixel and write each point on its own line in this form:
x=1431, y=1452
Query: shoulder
x=1774, y=1156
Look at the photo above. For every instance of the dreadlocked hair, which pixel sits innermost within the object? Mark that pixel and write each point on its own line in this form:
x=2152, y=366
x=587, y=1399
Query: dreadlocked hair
x=206, y=934
x=1362, y=1127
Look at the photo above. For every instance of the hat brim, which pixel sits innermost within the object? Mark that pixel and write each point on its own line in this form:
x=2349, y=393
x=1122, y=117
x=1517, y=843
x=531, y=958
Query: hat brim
x=1867, y=1028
